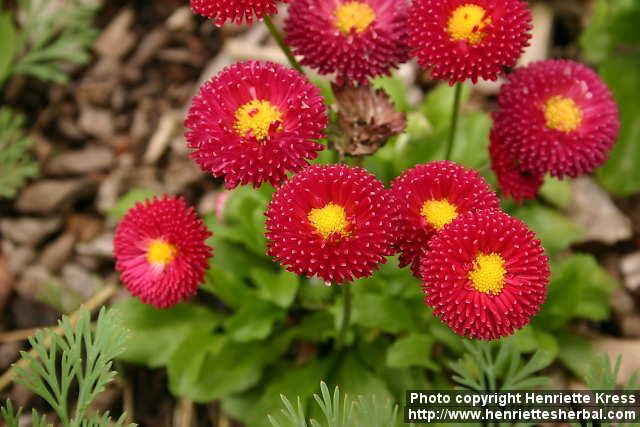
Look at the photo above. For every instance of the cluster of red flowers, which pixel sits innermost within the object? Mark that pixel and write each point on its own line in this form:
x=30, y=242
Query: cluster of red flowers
x=483, y=272
x=359, y=39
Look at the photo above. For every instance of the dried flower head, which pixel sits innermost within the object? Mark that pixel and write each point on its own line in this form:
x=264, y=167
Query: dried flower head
x=160, y=251
x=366, y=120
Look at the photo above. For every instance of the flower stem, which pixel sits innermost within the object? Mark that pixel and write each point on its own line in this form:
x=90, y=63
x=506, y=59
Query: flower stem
x=280, y=41
x=454, y=120
x=346, y=315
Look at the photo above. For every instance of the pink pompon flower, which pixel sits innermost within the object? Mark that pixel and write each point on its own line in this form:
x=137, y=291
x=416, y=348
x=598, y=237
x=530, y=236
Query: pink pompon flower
x=160, y=251
x=356, y=39
x=235, y=10
x=468, y=39
x=429, y=197
x=513, y=181
x=486, y=275
x=254, y=122
x=557, y=116
x=334, y=222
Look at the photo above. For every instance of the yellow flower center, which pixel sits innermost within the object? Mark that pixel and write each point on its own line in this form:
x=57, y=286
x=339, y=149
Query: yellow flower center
x=161, y=253
x=332, y=219
x=488, y=274
x=355, y=15
x=255, y=119
x=562, y=114
x=438, y=213
x=467, y=23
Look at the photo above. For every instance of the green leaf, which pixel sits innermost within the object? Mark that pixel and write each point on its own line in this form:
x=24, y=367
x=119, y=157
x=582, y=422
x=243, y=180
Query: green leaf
x=207, y=367
x=420, y=144
x=228, y=287
x=354, y=378
x=374, y=412
x=621, y=174
x=579, y=288
x=156, y=334
x=384, y=313
x=614, y=25
x=10, y=416
x=426, y=135
x=244, y=221
x=314, y=294
x=471, y=147
x=7, y=45
x=317, y=327
x=129, y=200
x=299, y=381
x=51, y=39
x=553, y=228
x=279, y=288
x=79, y=355
x=438, y=104
x=253, y=321
x=576, y=353
x=557, y=192
x=412, y=350
x=16, y=164
x=233, y=259
x=530, y=339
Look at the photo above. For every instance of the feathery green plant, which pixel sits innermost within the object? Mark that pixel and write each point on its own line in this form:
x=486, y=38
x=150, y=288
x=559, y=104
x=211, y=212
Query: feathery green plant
x=43, y=39
x=339, y=410
x=79, y=355
x=604, y=376
x=46, y=37
x=16, y=166
x=498, y=367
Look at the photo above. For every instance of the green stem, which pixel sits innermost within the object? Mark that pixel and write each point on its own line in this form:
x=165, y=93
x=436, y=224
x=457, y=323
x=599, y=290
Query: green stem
x=280, y=41
x=454, y=120
x=346, y=315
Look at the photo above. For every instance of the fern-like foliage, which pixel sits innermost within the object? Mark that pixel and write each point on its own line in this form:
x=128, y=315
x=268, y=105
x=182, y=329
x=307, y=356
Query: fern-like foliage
x=498, y=367
x=604, y=375
x=10, y=416
x=80, y=355
x=51, y=36
x=16, y=164
x=339, y=410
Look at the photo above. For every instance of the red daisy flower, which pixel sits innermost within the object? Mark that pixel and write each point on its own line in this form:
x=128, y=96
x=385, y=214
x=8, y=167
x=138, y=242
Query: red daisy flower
x=557, y=116
x=356, y=39
x=254, y=122
x=486, y=275
x=160, y=251
x=334, y=222
x=514, y=182
x=429, y=197
x=234, y=10
x=468, y=39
